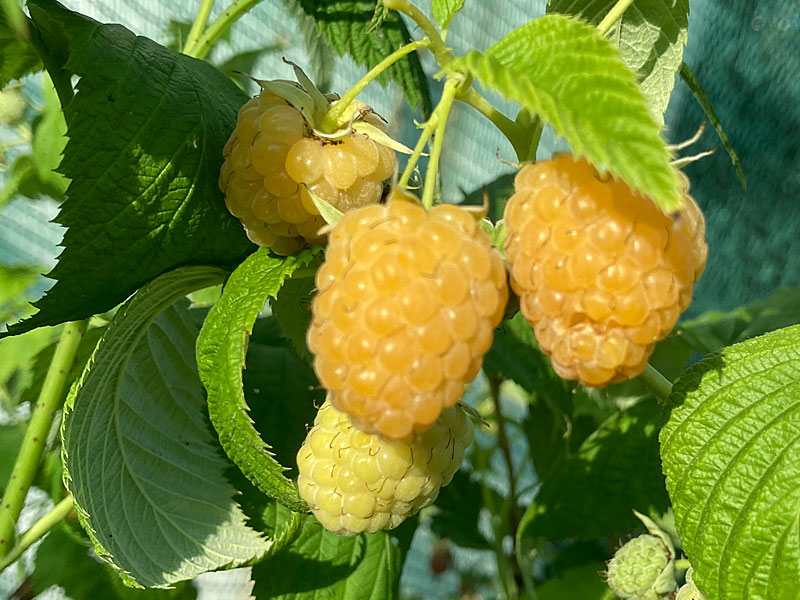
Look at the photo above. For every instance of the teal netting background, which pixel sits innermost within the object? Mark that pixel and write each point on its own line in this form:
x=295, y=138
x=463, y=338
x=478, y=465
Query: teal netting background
x=745, y=53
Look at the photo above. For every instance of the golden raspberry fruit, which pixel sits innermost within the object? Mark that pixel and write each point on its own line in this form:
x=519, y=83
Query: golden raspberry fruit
x=406, y=308
x=601, y=272
x=273, y=158
x=355, y=482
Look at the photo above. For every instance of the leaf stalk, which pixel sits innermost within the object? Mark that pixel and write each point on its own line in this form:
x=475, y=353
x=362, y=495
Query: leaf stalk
x=658, y=384
x=37, y=531
x=200, y=21
x=614, y=15
x=218, y=28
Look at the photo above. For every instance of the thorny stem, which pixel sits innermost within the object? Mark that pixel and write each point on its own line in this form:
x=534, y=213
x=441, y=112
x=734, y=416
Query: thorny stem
x=336, y=111
x=613, y=15
x=199, y=24
x=657, y=383
x=220, y=25
x=37, y=531
x=30, y=452
x=443, y=110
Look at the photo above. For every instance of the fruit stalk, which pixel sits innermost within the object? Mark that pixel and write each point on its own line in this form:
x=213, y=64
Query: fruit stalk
x=330, y=122
x=657, y=383
x=443, y=110
x=37, y=531
x=507, y=127
x=440, y=51
x=33, y=444
x=199, y=24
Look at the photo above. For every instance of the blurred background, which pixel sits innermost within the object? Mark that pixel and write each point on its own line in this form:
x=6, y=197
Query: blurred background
x=745, y=54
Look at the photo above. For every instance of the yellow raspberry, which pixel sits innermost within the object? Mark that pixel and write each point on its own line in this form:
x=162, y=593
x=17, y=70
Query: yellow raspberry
x=355, y=482
x=406, y=308
x=272, y=158
x=601, y=272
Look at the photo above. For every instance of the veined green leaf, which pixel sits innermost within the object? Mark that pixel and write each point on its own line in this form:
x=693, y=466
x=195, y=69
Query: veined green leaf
x=444, y=10
x=592, y=493
x=729, y=451
x=139, y=458
x=323, y=565
x=146, y=130
x=292, y=309
x=650, y=35
x=344, y=24
x=562, y=70
x=221, y=351
x=17, y=57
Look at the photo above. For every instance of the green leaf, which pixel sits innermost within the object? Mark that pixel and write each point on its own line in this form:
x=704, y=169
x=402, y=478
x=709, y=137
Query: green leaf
x=444, y=10
x=577, y=583
x=730, y=451
x=616, y=469
x=292, y=309
x=221, y=351
x=49, y=140
x=562, y=70
x=714, y=330
x=65, y=561
x=139, y=458
x=17, y=57
x=650, y=35
x=146, y=131
x=10, y=440
x=14, y=285
x=700, y=95
x=344, y=25
x=276, y=373
x=323, y=565
x=515, y=355
x=457, y=513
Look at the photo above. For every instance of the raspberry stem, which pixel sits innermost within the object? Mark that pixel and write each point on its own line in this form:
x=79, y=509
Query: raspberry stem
x=441, y=52
x=220, y=25
x=330, y=122
x=613, y=15
x=37, y=531
x=507, y=127
x=657, y=383
x=30, y=452
x=200, y=21
x=443, y=111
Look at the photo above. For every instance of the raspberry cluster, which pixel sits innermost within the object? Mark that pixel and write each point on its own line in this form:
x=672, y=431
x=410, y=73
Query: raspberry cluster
x=272, y=159
x=406, y=308
x=356, y=482
x=601, y=272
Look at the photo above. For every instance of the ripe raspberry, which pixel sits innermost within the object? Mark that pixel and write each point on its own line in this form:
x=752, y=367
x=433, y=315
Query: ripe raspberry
x=273, y=156
x=601, y=272
x=406, y=308
x=356, y=482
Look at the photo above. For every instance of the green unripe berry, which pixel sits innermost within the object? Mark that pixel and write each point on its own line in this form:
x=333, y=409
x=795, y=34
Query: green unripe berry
x=642, y=570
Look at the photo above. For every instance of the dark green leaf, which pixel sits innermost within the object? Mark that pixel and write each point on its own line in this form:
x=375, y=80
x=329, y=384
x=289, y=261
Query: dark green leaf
x=458, y=508
x=564, y=72
x=344, y=25
x=578, y=583
x=146, y=131
x=730, y=451
x=17, y=56
x=139, y=459
x=650, y=35
x=292, y=309
x=323, y=565
x=282, y=393
x=221, y=351
x=63, y=561
x=593, y=493
x=702, y=99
